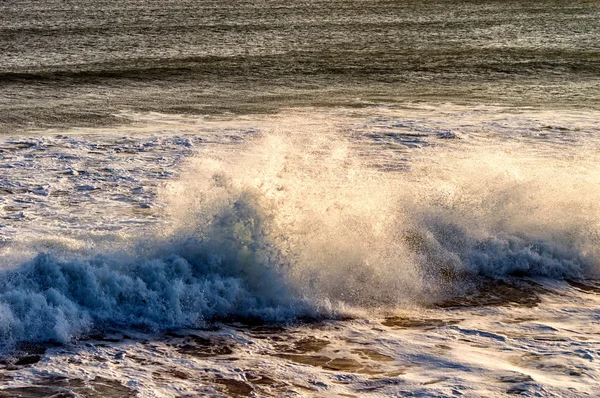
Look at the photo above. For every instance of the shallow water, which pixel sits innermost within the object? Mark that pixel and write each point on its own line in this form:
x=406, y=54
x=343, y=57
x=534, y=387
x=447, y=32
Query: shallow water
x=548, y=349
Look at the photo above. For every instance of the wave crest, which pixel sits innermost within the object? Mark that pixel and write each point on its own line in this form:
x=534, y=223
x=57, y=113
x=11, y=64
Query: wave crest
x=300, y=223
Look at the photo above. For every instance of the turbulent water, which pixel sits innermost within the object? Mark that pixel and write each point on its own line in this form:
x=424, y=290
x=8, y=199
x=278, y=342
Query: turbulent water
x=303, y=198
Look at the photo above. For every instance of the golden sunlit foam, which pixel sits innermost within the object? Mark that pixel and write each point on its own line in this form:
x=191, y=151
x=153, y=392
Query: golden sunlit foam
x=302, y=202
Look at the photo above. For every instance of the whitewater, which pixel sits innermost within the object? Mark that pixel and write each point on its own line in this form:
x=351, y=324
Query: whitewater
x=314, y=198
x=426, y=250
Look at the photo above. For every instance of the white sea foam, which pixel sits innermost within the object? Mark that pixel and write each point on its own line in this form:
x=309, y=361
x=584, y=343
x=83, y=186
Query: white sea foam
x=302, y=220
x=353, y=233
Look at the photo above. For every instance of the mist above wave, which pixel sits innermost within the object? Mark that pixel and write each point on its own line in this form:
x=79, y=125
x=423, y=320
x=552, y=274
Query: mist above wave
x=350, y=233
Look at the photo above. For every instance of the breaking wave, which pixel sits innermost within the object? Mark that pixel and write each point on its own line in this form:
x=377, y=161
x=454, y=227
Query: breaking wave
x=298, y=224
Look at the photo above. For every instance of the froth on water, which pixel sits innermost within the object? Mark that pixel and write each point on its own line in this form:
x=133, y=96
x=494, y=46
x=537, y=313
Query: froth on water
x=300, y=221
x=305, y=203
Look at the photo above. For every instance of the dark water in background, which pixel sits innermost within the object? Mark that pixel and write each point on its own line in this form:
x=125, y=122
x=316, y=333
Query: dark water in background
x=70, y=63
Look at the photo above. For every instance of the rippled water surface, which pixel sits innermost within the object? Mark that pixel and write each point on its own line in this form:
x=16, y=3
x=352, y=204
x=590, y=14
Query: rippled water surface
x=77, y=63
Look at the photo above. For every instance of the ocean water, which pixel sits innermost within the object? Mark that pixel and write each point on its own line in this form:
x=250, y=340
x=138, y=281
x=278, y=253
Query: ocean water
x=302, y=198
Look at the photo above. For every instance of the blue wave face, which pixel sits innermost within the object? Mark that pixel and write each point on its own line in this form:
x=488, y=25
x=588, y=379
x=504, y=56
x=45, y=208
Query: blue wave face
x=53, y=299
x=230, y=270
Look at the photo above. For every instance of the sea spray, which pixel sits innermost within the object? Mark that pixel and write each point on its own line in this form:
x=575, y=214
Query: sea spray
x=339, y=230
x=327, y=216
x=298, y=222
